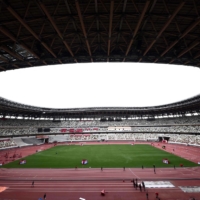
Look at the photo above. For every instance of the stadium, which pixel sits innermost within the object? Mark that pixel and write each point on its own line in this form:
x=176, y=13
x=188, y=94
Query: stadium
x=99, y=152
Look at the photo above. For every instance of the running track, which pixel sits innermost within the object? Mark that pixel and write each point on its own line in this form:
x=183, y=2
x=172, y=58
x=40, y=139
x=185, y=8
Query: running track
x=87, y=183
x=61, y=184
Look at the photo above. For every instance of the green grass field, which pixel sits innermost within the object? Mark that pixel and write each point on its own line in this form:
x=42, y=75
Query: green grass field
x=106, y=156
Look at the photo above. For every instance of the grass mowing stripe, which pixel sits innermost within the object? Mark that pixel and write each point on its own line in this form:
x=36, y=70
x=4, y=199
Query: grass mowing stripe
x=109, y=156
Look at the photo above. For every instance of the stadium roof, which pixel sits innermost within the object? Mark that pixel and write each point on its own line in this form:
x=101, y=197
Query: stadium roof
x=42, y=32
x=181, y=108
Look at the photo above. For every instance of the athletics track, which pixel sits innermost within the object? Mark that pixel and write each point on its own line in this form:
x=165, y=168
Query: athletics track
x=71, y=184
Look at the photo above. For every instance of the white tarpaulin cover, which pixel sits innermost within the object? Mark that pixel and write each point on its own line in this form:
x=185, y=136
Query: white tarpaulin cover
x=190, y=189
x=158, y=184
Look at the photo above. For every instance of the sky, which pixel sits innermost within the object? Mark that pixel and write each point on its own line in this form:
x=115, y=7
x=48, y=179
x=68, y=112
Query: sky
x=100, y=85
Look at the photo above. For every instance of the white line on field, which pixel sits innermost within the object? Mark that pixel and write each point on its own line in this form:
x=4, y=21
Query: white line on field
x=133, y=173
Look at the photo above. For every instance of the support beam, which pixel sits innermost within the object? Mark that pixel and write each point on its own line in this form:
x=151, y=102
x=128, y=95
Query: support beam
x=185, y=63
x=192, y=26
x=8, y=34
x=73, y=21
x=12, y=53
x=26, y=12
x=83, y=28
x=121, y=20
x=137, y=28
x=7, y=61
x=12, y=11
x=15, y=66
x=189, y=48
x=2, y=68
x=97, y=21
x=43, y=7
x=150, y=10
x=13, y=38
x=186, y=50
x=102, y=2
x=164, y=27
x=4, y=59
x=87, y=6
x=197, y=55
x=56, y=7
x=110, y=27
x=119, y=31
x=195, y=7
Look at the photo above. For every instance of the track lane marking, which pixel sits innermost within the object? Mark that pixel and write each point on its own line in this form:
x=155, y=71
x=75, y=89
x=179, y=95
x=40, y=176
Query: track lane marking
x=134, y=173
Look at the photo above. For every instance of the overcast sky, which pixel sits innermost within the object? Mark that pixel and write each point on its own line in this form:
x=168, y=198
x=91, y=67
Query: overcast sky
x=100, y=85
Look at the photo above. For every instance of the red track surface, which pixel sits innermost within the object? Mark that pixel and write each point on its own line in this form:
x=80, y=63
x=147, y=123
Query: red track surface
x=72, y=184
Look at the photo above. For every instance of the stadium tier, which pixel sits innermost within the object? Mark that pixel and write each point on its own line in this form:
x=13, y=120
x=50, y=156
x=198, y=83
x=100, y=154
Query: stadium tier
x=183, y=130
x=177, y=122
x=191, y=120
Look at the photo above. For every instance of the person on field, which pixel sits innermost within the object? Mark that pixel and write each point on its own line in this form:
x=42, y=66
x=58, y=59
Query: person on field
x=136, y=185
x=156, y=195
x=133, y=183
x=45, y=196
x=147, y=195
x=143, y=185
x=33, y=184
x=140, y=187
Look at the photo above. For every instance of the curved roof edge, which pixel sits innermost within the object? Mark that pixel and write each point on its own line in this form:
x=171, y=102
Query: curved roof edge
x=11, y=108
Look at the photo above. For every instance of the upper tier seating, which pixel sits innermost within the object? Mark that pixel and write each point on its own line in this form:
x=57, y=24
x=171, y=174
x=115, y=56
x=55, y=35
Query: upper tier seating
x=97, y=123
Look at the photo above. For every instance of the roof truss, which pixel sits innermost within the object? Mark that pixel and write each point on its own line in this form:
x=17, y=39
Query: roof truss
x=65, y=31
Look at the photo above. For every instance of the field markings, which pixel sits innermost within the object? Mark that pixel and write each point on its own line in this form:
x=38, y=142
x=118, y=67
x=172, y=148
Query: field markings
x=97, y=189
x=191, y=170
x=133, y=173
x=78, y=191
x=70, y=184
